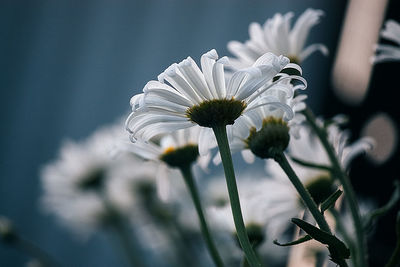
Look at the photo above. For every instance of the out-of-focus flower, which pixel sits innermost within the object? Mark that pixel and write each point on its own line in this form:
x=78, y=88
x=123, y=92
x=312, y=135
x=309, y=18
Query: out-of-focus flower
x=172, y=151
x=185, y=96
x=254, y=211
x=277, y=37
x=386, y=52
x=254, y=204
x=278, y=107
x=163, y=149
x=283, y=199
x=88, y=177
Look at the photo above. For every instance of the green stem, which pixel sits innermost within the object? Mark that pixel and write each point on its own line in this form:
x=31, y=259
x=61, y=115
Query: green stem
x=395, y=258
x=347, y=187
x=281, y=159
x=169, y=225
x=123, y=233
x=346, y=238
x=222, y=140
x=35, y=251
x=188, y=177
x=311, y=165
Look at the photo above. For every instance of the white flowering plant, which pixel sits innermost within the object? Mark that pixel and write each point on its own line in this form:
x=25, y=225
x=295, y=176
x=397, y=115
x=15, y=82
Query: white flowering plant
x=168, y=186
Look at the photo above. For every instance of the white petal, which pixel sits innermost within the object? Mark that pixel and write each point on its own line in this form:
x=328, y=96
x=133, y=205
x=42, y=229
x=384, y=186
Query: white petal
x=311, y=49
x=195, y=77
x=207, y=63
x=248, y=156
x=302, y=27
x=219, y=78
x=207, y=141
x=180, y=84
x=239, y=78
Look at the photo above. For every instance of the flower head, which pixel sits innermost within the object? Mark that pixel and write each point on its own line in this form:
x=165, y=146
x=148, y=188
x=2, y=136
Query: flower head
x=87, y=177
x=255, y=206
x=267, y=129
x=277, y=37
x=186, y=95
x=176, y=149
x=173, y=150
x=385, y=52
x=254, y=210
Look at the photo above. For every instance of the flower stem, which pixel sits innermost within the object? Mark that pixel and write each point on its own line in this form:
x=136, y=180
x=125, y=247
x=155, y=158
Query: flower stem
x=346, y=238
x=34, y=251
x=395, y=258
x=281, y=159
x=222, y=140
x=123, y=233
x=188, y=177
x=347, y=187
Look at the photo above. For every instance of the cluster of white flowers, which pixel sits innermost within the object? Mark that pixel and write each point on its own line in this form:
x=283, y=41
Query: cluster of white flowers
x=255, y=96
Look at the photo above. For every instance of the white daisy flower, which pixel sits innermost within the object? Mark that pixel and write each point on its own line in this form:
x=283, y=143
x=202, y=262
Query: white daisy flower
x=282, y=196
x=173, y=150
x=278, y=108
x=85, y=174
x=254, y=209
x=186, y=95
x=255, y=214
x=386, y=52
x=278, y=37
x=168, y=144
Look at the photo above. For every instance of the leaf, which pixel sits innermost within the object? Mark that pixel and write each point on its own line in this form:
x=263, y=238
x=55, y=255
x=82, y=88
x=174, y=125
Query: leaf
x=338, y=250
x=314, y=232
x=311, y=164
x=331, y=200
x=295, y=242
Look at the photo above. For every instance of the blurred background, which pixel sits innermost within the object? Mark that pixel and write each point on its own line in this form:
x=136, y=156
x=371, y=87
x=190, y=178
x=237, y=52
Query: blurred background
x=69, y=67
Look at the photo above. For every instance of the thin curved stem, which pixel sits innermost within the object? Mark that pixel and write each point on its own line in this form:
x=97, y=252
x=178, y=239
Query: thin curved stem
x=350, y=195
x=35, y=251
x=117, y=222
x=124, y=235
x=304, y=194
x=395, y=258
x=188, y=177
x=222, y=140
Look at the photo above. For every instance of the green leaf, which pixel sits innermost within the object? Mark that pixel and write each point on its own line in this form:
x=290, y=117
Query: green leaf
x=338, y=250
x=331, y=200
x=295, y=242
x=314, y=232
x=311, y=164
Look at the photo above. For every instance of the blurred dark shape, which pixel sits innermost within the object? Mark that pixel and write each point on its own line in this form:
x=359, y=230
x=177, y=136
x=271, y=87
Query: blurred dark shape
x=375, y=181
x=360, y=32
